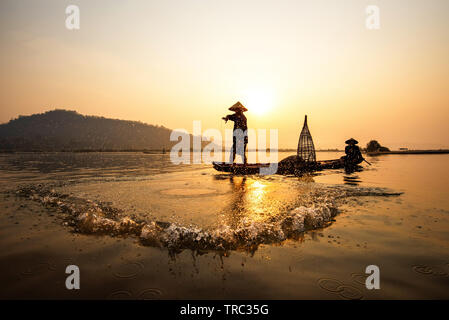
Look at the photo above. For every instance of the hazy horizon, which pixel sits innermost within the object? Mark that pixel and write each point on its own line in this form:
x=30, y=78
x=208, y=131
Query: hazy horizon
x=172, y=62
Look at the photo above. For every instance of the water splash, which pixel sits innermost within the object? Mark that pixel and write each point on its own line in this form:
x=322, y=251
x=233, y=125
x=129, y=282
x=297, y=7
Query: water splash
x=85, y=216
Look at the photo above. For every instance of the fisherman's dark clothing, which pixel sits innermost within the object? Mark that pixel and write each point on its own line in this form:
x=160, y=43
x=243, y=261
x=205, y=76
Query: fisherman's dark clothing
x=240, y=134
x=239, y=121
x=353, y=154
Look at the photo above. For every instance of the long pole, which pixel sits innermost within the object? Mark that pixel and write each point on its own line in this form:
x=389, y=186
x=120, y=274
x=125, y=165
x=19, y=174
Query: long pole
x=366, y=161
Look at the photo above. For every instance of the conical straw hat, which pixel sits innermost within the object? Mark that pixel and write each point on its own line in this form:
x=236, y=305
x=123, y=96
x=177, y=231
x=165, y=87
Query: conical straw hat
x=351, y=140
x=238, y=106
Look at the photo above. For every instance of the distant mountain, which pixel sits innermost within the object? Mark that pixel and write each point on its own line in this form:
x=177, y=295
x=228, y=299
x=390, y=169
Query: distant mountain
x=63, y=130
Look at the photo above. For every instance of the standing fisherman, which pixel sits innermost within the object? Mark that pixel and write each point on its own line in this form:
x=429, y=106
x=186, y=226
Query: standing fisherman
x=240, y=133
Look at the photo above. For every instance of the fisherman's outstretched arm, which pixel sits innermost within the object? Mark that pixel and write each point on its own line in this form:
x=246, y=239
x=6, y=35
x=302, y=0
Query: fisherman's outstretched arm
x=229, y=117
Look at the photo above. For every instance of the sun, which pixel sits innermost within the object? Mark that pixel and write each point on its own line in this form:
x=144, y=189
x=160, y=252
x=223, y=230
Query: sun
x=258, y=101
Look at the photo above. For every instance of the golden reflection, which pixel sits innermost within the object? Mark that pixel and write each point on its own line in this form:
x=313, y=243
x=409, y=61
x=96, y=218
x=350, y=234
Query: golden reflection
x=257, y=191
x=256, y=199
x=259, y=199
x=249, y=201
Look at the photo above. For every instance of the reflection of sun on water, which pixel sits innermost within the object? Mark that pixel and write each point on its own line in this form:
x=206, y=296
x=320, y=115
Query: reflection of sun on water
x=256, y=195
x=257, y=190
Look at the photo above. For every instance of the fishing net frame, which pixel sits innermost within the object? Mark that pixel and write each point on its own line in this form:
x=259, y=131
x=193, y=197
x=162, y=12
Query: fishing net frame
x=306, y=148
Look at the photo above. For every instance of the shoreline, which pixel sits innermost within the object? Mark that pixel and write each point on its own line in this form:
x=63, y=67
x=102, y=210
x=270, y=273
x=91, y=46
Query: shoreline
x=155, y=151
x=439, y=151
x=166, y=151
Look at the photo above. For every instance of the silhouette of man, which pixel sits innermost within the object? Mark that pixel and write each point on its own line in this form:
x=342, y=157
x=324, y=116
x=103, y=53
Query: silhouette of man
x=240, y=132
x=353, y=153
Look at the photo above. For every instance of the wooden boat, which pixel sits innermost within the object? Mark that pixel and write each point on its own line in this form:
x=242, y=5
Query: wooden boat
x=304, y=161
x=239, y=168
x=285, y=167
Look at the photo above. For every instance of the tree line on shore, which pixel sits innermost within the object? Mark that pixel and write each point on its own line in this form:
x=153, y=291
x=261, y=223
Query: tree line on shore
x=64, y=130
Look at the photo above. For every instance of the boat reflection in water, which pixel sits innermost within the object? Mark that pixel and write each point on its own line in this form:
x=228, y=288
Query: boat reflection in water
x=351, y=180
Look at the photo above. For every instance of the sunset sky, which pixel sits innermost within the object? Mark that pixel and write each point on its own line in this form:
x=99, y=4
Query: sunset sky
x=170, y=62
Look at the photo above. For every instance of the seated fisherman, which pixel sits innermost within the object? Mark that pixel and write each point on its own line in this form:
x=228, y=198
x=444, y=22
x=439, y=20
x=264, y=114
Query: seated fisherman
x=240, y=134
x=353, y=153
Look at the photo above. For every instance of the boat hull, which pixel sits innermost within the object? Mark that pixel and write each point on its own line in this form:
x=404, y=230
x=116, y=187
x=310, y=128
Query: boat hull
x=239, y=168
x=286, y=167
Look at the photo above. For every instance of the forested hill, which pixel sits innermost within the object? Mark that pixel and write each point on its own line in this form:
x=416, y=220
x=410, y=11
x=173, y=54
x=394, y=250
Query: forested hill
x=63, y=130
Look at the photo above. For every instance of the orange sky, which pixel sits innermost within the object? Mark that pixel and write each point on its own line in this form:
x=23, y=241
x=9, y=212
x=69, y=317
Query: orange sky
x=171, y=62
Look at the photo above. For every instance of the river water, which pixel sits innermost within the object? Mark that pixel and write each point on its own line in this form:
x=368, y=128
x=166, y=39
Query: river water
x=270, y=237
